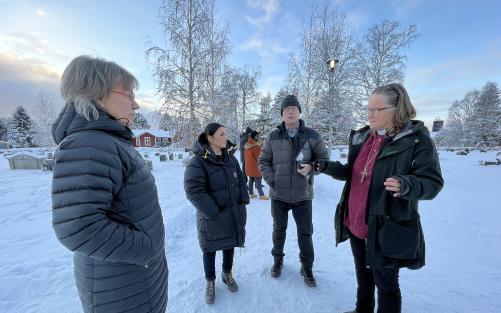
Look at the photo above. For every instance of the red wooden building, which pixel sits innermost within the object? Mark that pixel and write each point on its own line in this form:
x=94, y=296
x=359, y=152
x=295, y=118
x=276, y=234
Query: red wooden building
x=151, y=138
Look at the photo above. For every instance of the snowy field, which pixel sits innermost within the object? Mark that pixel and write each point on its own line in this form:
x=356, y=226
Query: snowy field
x=462, y=230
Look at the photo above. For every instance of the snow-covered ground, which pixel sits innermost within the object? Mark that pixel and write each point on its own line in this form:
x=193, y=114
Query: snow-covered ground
x=462, y=230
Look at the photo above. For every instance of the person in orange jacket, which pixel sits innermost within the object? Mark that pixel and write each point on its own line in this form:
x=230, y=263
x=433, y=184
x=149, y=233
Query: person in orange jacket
x=251, y=155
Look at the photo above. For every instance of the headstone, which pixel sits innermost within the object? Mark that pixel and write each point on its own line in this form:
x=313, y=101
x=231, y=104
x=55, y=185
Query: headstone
x=47, y=164
x=157, y=153
x=24, y=161
x=146, y=155
x=163, y=158
x=179, y=156
x=150, y=164
x=461, y=153
x=171, y=156
x=485, y=163
x=343, y=155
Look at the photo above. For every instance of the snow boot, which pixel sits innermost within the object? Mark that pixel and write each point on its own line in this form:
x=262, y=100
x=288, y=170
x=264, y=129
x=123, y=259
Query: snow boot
x=276, y=269
x=263, y=197
x=309, y=279
x=210, y=291
x=229, y=281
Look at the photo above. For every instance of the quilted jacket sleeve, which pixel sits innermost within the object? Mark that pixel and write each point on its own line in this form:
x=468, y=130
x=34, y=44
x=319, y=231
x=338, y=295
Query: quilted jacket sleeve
x=85, y=179
x=195, y=188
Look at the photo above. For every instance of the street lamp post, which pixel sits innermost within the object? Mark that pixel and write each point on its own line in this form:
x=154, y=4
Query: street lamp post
x=331, y=66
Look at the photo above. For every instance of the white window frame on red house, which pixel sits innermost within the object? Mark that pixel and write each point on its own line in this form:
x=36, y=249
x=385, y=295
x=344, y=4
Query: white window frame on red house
x=138, y=141
x=147, y=141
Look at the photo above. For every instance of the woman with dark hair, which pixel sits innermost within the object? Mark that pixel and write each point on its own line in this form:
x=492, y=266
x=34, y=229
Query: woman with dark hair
x=252, y=151
x=104, y=199
x=392, y=164
x=215, y=185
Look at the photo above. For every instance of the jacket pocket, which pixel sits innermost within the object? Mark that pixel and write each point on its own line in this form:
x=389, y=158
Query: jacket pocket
x=220, y=226
x=398, y=239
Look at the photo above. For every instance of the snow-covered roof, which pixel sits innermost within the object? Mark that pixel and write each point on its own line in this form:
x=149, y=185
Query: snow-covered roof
x=155, y=132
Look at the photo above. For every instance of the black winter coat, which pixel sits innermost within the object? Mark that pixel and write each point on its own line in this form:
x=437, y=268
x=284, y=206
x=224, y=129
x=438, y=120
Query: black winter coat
x=216, y=188
x=395, y=237
x=105, y=208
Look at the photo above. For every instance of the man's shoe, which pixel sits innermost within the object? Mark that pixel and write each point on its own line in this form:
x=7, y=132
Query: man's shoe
x=229, y=281
x=210, y=291
x=276, y=269
x=307, y=273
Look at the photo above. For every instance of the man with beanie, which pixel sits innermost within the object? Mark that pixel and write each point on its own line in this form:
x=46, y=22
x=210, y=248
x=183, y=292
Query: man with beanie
x=286, y=165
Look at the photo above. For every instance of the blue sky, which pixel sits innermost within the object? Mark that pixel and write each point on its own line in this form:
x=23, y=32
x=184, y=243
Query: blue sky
x=459, y=47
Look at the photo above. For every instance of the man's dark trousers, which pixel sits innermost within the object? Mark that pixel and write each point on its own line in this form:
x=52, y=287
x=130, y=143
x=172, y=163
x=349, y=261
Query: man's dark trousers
x=301, y=211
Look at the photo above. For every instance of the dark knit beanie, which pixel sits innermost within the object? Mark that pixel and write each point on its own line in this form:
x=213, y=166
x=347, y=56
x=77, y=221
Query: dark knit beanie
x=254, y=135
x=289, y=101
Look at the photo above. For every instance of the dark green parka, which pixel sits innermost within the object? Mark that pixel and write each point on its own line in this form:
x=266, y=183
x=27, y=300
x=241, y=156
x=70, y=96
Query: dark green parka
x=395, y=237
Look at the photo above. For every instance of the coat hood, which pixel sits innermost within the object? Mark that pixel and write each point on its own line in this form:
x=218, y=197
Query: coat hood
x=69, y=121
x=251, y=143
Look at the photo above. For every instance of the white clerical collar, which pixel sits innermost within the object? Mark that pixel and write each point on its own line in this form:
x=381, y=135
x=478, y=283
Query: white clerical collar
x=381, y=132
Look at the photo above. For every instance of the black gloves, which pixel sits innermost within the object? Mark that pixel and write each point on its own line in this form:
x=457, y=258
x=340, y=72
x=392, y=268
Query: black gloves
x=321, y=165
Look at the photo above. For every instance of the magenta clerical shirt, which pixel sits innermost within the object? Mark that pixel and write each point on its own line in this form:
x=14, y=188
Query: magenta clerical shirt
x=357, y=201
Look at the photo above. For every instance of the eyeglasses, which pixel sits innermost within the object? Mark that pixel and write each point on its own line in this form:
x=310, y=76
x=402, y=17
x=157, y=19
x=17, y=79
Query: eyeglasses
x=131, y=96
x=376, y=111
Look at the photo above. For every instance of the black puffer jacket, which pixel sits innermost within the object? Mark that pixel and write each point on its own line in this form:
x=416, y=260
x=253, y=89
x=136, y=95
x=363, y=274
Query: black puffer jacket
x=105, y=208
x=215, y=186
x=395, y=237
x=278, y=162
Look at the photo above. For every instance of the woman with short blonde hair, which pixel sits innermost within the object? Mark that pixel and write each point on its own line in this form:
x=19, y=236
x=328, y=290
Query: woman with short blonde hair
x=104, y=199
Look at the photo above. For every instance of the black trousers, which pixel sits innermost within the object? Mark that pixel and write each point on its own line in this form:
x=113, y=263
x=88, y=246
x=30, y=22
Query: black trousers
x=389, y=299
x=259, y=185
x=210, y=263
x=301, y=211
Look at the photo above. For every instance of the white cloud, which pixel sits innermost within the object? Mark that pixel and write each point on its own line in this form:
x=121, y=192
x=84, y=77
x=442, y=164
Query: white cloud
x=264, y=50
x=272, y=84
x=433, y=88
x=40, y=12
x=31, y=45
x=270, y=7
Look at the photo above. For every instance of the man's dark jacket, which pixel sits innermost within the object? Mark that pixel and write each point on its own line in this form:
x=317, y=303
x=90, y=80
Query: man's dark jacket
x=279, y=159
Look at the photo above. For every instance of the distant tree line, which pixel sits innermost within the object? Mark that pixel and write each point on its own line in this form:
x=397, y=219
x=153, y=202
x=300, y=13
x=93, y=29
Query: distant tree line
x=474, y=120
x=197, y=85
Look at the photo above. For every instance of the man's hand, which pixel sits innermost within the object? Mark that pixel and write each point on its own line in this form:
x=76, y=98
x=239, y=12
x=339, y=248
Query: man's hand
x=304, y=169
